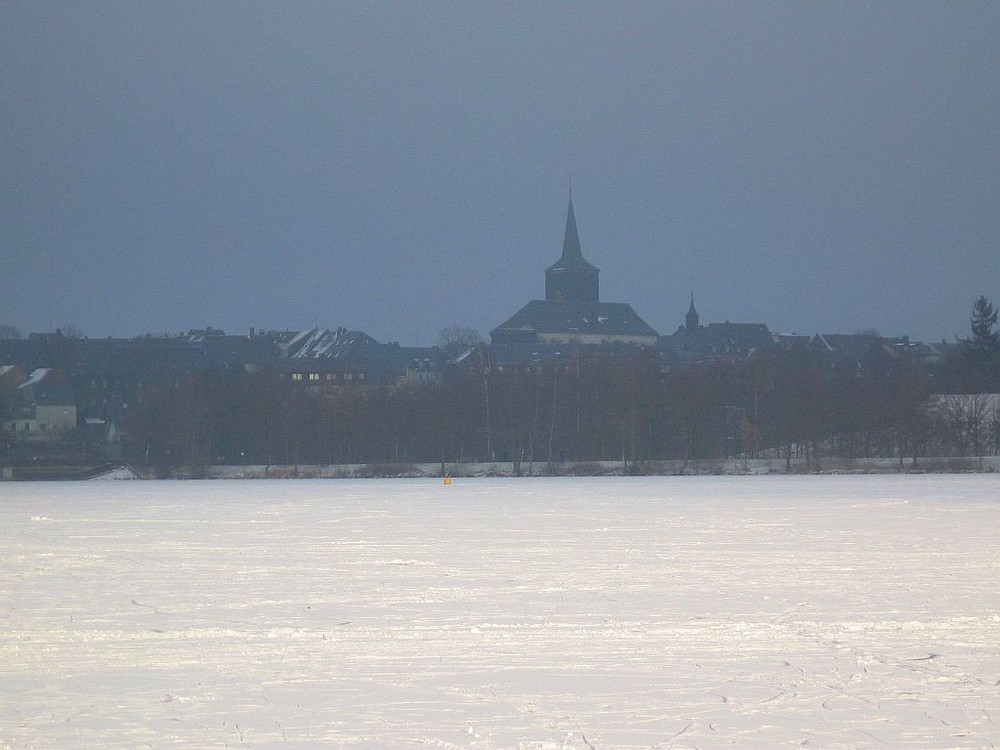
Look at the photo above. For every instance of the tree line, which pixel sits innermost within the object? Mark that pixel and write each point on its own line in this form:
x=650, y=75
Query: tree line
x=588, y=406
x=790, y=404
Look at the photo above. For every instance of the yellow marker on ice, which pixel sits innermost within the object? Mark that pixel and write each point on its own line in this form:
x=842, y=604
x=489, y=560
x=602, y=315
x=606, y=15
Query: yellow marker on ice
x=447, y=478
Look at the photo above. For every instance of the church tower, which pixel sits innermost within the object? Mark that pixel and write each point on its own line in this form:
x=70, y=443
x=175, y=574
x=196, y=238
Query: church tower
x=571, y=278
x=691, y=319
x=572, y=311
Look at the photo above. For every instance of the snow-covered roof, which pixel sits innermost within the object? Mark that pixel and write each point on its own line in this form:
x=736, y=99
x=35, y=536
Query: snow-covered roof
x=573, y=317
x=36, y=377
x=322, y=343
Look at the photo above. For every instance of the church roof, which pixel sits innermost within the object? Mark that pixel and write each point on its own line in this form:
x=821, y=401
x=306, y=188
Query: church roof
x=536, y=353
x=575, y=318
x=719, y=340
x=572, y=256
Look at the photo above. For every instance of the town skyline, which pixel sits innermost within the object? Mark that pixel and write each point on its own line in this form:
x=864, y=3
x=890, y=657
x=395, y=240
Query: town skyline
x=72, y=329
x=400, y=169
x=558, y=288
x=571, y=244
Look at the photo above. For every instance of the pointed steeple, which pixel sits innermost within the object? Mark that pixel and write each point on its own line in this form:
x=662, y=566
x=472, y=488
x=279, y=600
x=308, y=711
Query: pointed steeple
x=572, y=278
x=691, y=319
x=571, y=240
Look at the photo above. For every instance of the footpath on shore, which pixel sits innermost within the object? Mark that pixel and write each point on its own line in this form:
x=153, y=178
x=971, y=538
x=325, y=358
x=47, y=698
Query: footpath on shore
x=705, y=467
x=714, y=467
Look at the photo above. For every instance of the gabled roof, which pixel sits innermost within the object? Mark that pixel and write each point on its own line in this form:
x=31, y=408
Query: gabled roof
x=28, y=353
x=60, y=394
x=48, y=387
x=790, y=340
x=853, y=352
x=847, y=342
x=320, y=350
x=319, y=343
x=37, y=376
x=569, y=318
x=719, y=339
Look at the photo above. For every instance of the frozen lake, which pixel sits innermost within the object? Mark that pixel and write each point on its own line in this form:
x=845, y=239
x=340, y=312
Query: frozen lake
x=853, y=612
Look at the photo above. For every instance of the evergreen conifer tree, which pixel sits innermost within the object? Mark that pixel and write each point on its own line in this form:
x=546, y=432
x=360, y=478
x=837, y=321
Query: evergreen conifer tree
x=985, y=336
x=983, y=347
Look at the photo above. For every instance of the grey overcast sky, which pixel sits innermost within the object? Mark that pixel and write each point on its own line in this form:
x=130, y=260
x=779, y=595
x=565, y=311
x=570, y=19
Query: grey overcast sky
x=401, y=167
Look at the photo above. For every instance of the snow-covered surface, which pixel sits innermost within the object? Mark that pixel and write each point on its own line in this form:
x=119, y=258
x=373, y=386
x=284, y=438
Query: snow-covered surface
x=320, y=343
x=714, y=467
x=117, y=473
x=849, y=612
x=36, y=377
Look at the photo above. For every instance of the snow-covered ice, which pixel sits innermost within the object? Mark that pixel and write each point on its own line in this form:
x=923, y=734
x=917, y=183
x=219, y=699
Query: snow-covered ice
x=852, y=612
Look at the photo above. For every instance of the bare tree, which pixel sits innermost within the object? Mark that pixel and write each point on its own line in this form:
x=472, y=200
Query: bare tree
x=964, y=422
x=454, y=340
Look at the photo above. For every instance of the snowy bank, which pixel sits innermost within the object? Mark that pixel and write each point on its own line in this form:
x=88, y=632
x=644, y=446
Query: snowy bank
x=714, y=467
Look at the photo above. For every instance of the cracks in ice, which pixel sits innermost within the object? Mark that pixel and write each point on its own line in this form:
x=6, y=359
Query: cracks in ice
x=239, y=731
x=675, y=735
x=923, y=658
x=774, y=697
x=877, y=739
x=146, y=606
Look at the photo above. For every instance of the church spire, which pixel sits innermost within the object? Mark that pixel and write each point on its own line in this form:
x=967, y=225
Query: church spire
x=691, y=319
x=571, y=240
x=571, y=278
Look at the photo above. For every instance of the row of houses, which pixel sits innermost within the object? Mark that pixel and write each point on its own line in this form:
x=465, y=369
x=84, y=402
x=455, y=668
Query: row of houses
x=54, y=383
x=92, y=382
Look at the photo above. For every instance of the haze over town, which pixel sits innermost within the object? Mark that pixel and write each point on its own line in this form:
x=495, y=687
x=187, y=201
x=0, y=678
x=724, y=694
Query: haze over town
x=401, y=168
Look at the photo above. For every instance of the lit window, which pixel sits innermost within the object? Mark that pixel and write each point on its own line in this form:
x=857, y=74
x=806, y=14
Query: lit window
x=296, y=376
x=314, y=376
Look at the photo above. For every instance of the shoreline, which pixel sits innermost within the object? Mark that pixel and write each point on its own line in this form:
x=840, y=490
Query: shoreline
x=712, y=467
x=704, y=467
